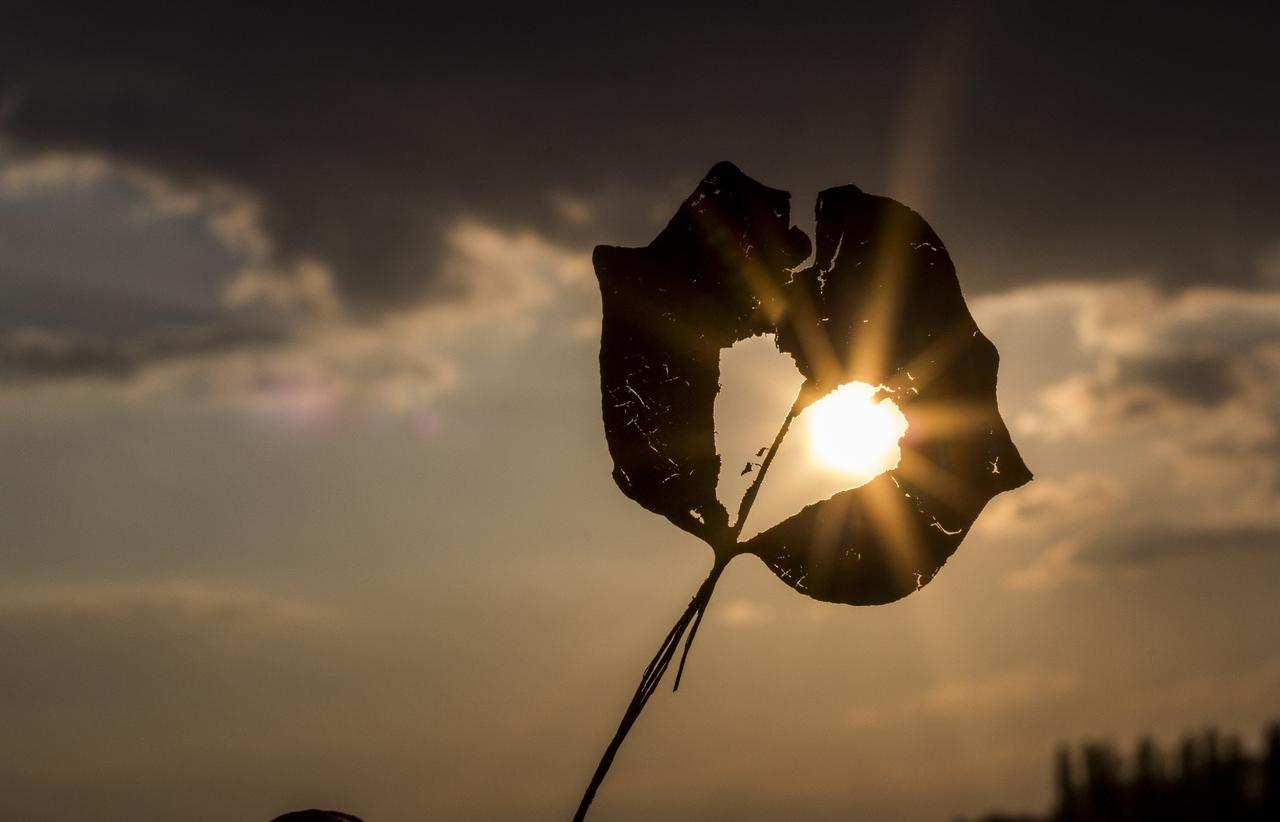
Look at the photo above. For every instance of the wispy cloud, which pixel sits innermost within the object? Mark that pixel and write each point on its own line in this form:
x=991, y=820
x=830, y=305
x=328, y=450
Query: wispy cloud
x=1009, y=690
x=1205, y=694
x=744, y=613
x=1172, y=399
x=1163, y=359
x=282, y=340
x=1148, y=545
x=1051, y=504
x=169, y=604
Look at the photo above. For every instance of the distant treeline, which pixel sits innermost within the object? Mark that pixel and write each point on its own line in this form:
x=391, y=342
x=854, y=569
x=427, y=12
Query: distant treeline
x=1209, y=777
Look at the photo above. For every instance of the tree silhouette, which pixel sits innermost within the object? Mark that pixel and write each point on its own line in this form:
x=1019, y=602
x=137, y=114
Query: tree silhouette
x=1210, y=778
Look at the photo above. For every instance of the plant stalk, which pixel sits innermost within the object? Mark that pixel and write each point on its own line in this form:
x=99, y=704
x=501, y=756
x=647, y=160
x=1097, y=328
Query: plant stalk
x=692, y=615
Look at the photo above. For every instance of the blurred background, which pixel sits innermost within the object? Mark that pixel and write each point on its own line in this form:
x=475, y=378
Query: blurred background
x=304, y=498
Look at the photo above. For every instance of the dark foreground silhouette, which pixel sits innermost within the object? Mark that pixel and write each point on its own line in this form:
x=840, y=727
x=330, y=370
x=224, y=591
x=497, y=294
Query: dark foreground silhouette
x=1208, y=778
x=313, y=815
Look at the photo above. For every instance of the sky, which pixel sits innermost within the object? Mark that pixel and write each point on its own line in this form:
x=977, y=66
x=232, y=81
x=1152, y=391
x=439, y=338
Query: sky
x=304, y=494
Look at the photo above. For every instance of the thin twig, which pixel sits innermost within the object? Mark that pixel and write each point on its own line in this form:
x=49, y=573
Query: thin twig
x=749, y=498
x=744, y=508
x=688, y=643
x=693, y=613
x=648, y=684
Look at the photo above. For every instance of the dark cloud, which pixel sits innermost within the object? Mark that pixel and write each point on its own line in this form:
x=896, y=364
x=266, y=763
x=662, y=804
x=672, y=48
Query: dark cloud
x=1041, y=143
x=1205, y=380
x=31, y=355
x=1204, y=360
x=1143, y=388
x=1157, y=542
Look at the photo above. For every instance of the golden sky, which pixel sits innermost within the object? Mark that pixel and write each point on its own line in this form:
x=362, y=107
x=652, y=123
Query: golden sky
x=304, y=496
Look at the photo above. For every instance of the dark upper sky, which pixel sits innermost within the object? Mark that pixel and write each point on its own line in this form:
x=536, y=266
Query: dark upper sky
x=1044, y=142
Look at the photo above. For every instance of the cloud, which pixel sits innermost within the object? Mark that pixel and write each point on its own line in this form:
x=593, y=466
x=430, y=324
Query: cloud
x=124, y=287
x=1190, y=379
x=301, y=127
x=1091, y=554
x=1052, y=504
x=506, y=276
x=1164, y=359
x=1060, y=513
x=29, y=353
x=359, y=140
x=1170, y=401
x=1251, y=688
x=403, y=361
x=1154, y=544
x=51, y=170
x=959, y=698
x=1057, y=565
x=164, y=605
x=278, y=341
x=744, y=613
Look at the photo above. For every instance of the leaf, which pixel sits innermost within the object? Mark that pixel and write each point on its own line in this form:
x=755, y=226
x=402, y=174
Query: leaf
x=712, y=277
x=880, y=304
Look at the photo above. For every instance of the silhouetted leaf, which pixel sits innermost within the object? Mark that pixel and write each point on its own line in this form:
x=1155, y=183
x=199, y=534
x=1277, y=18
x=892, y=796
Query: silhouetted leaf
x=880, y=304
x=712, y=277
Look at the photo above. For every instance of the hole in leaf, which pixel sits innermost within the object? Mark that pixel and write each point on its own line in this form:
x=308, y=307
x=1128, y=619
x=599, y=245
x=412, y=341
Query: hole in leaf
x=853, y=432
x=842, y=441
x=758, y=383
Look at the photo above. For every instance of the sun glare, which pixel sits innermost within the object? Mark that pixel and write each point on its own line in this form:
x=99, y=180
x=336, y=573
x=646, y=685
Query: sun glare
x=851, y=433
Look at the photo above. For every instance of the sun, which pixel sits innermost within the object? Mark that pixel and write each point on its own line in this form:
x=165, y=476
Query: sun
x=851, y=433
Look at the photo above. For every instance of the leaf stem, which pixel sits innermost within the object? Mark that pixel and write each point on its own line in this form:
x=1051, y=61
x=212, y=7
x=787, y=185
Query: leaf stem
x=729, y=549
x=749, y=498
x=649, y=683
x=692, y=615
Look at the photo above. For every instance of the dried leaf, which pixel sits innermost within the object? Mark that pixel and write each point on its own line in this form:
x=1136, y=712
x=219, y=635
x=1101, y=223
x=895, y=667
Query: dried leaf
x=712, y=277
x=880, y=304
